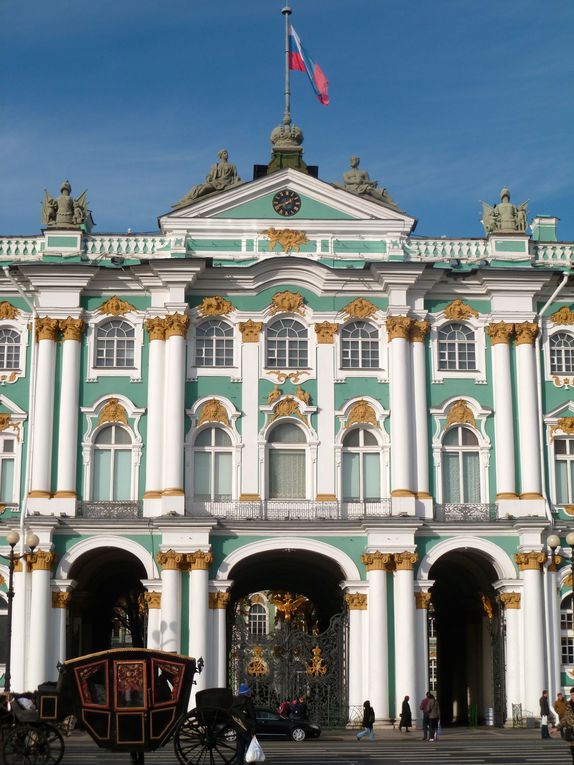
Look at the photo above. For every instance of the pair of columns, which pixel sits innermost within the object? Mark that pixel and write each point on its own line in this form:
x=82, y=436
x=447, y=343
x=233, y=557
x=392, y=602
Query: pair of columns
x=526, y=416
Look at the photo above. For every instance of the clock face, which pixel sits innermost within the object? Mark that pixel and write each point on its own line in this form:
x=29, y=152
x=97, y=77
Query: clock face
x=287, y=202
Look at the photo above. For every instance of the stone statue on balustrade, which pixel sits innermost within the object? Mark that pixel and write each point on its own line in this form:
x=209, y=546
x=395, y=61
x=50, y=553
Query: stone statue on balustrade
x=65, y=211
x=504, y=217
x=358, y=182
x=222, y=176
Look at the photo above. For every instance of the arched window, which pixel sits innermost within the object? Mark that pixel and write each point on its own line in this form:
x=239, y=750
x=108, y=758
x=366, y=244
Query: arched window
x=287, y=345
x=115, y=344
x=9, y=349
x=566, y=640
x=112, y=477
x=214, y=344
x=460, y=466
x=359, y=346
x=212, y=466
x=257, y=619
x=456, y=348
x=286, y=452
x=361, y=467
x=7, y=467
x=564, y=470
x=562, y=353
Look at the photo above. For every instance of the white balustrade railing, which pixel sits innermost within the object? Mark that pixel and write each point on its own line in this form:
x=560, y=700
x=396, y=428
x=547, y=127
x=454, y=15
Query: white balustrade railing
x=287, y=510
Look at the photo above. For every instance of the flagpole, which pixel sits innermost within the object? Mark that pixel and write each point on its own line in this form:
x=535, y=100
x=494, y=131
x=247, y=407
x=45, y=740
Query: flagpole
x=286, y=11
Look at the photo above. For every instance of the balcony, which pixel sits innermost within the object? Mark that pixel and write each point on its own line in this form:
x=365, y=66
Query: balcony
x=290, y=510
x=465, y=513
x=110, y=510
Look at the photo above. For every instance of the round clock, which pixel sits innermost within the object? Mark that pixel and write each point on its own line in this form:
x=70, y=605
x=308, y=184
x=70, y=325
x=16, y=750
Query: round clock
x=287, y=202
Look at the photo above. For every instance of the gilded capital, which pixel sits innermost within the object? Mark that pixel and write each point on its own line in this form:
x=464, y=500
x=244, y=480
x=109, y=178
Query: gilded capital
x=176, y=325
x=72, y=329
x=510, y=599
x=199, y=560
x=377, y=561
x=152, y=599
x=250, y=330
x=500, y=332
x=47, y=328
x=526, y=333
x=219, y=600
x=530, y=561
x=61, y=599
x=155, y=328
x=398, y=327
x=418, y=331
x=356, y=601
x=404, y=561
x=326, y=331
x=422, y=600
x=170, y=560
x=41, y=560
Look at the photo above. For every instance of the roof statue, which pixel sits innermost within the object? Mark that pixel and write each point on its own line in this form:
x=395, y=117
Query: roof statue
x=505, y=216
x=358, y=182
x=222, y=176
x=65, y=211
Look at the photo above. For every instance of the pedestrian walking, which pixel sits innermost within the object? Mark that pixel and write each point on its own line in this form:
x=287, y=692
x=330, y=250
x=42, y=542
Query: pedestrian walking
x=559, y=710
x=433, y=712
x=406, y=720
x=368, y=722
x=247, y=720
x=566, y=725
x=423, y=708
x=544, y=714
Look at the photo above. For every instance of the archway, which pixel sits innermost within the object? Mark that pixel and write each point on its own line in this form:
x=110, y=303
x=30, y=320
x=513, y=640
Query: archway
x=466, y=639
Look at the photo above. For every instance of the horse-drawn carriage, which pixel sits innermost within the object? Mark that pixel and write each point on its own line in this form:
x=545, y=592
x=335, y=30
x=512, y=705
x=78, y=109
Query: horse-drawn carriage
x=132, y=700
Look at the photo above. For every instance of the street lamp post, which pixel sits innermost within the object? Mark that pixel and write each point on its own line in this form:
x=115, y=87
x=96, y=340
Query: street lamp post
x=553, y=542
x=12, y=537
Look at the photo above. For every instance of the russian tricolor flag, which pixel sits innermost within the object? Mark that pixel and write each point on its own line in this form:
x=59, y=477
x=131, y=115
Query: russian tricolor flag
x=301, y=61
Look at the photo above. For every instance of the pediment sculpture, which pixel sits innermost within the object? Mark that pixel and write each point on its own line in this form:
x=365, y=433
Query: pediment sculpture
x=222, y=176
x=359, y=182
x=65, y=211
x=504, y=217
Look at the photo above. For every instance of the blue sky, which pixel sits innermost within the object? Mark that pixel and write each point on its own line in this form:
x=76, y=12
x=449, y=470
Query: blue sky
x=445, y=101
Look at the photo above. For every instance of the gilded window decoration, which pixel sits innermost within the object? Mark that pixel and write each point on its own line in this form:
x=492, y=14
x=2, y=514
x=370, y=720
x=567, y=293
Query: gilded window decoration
x=287, y=407
x=115, y=306
x=274, y=395
x=303, y=395
x=250, y=330
x=8, y=311
x=213, y=411
x=288, y=239
x=113, y=411
x=460, y=413
x=293, y=377
x=458, y=310
x=360, y=309
x=362, y=412
x=7, y=424
x=564, y=424
x=564, y=315
x=287, y=302
x=216, y=305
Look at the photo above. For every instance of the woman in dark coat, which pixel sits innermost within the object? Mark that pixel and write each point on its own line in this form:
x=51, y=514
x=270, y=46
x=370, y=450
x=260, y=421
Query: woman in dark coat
x=406, y=720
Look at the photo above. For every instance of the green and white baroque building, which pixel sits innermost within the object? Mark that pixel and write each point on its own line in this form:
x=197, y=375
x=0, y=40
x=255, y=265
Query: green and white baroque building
x=287, y=389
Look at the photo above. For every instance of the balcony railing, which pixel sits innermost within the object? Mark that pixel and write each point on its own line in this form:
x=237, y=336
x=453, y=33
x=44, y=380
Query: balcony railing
x=110, y=510
x=465, y=512
x=291, y=510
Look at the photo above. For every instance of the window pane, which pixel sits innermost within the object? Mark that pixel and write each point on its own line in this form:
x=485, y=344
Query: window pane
x=372, y=476
x=286, y=474
x=121, y=436
x=201, y=476
x=450, y=478
x=287, y=434
x=351, y=439
x=561, y=482
x=222, y=479
x=369, y=439
x=222, y=438
x=102, y=467
x=105, y=435
x=7, y=480
x=451, y=438
x=471, y=477
x=351, y=476
x=204, y=438
x=122, y=474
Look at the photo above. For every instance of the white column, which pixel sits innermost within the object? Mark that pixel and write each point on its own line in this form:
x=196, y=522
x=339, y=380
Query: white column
x=528, y=415
x=250, y=489
x=40, y=484
x=357, y=605
x=552, y=621
x=326, y=488
x=19, y=628
x=398, y=328
x=60, y=604
x=173, y=450
x=155, y=408
x=170, y=625
x=535, y=680
x=199, y=612
x=510, y=601
x=153, y=601
x=500, y=334
x=422, y=600
x=378, y=692
x=41, y=649
x=405, y=630
x=72, y=330
x=418, y=333
x=218, y=602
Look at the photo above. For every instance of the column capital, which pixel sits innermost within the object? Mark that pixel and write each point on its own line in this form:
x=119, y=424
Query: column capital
x=72, y=329
x=219, y=600
x=170, y=560
x=405, y=561
x=356, y=601
x=47, y=328
x=398, y=327
x=510, y=599
x=555, y=561
x=199, y=560
x=418, y=331
x=500, y=332
x=250, y=330
x=326, y=331
x=61, y=599
x=377, y=561
x=176, y=325
x=155, y=327
x=423, y=600
x=152, y=599
x=526, y=332
x=41, y=560
x=531, y=560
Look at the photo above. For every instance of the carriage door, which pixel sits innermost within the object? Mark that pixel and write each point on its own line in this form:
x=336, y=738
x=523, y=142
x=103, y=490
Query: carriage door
x=130, y=702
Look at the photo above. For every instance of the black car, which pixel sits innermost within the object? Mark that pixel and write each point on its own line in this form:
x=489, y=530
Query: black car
x=270, y=723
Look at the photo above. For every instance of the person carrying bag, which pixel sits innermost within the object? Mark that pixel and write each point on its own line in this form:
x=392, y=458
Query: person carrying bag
x=254, y=751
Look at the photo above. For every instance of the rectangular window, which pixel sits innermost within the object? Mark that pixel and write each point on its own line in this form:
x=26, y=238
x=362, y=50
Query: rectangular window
x=351, y=488
x=222, y=477
x=122, y=475
x=471, y=477
x=202, y=476
x=6, y=479
x=451, y=478
x=567, y=644
x=286, y=474
x=102, y=473
x=372, y=477
x=561, y=472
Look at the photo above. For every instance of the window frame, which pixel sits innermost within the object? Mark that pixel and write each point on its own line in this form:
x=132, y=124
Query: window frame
x=362, y=450
x=552, y=339
x=474, y=324
x=565, y=627
x=460, y=449
x=16, y=345
x=289, y=342
x=94, y=322
x=22, y=326
x=374, y=338
x=212, y=450
x=286, y=447
x=193, y=371
x=113, y=448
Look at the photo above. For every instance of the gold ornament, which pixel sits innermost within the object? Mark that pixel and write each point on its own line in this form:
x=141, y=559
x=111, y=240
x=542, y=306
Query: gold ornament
x=356, y=601
x=7, y=424
x=526, y=333
x=213, y=411
x=47, y=329
x=565, y=424
x=459, y=311
x=377, y=561
x=215, y=306
x=287, y=407
x=510, y=599
x=500, y=332
x=61, y=599
x=404, y=561
x=326, y=331
x=176, y=325
x=170, y=560
x=250, y=330
x=152, y=599
x=419, y=331
x=113, y=411
x=563, y=316
x=362, y=412
x=155, y=328
x=274, y=395
x=72, y=329
x=257, y=667
x=115, y=306
x=487, y=607
x=287, y=302
x=41, y=560
x=219, y=600
x=282, y=377
x=288, y=239
x=530, y=561
x=422, y=600
x=199, y=560
x=398, y=327
x=287, y=606
x=360, y=309
x=460, y=413
x=8, y=311
x=317, y=667
x=303, y=395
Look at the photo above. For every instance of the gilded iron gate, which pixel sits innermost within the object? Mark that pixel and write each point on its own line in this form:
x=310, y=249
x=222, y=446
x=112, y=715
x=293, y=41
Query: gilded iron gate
x=289, y=663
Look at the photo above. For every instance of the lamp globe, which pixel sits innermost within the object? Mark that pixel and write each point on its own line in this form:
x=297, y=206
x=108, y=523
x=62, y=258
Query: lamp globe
x=12, y=537
x=553, y=541
x=32, y=540
x=570, y=538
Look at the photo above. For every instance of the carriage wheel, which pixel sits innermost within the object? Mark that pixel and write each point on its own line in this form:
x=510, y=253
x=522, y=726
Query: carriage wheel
x=53, y=744
x=203, y=738
x=32, y=745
